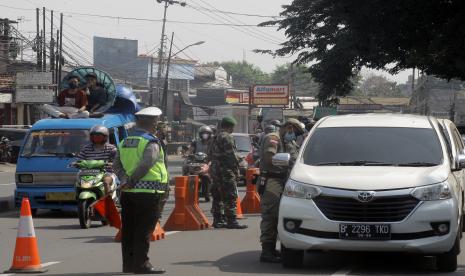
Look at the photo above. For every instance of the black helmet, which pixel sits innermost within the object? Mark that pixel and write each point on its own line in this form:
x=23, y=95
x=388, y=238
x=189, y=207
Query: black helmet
x=270, y=129
x=276, y=123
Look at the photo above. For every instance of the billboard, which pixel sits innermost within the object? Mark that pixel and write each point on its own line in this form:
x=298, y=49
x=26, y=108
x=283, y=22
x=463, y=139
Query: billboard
x=271, y=94
x=237, y=96
x=34, y=87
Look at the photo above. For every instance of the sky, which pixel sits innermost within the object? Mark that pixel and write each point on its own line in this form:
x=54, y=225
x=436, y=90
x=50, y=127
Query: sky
x=222, y=43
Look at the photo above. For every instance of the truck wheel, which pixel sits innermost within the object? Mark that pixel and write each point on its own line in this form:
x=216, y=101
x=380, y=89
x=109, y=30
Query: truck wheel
x=84, y=214
x=291, y=258
x=447, y=262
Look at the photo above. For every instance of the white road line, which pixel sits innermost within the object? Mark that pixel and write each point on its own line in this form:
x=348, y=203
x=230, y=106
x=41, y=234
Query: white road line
x=49, y=264
x=343, y=271
x=171, y=233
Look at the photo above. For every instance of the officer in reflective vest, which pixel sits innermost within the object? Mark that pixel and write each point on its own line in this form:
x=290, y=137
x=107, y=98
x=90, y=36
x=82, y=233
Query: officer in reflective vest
x=141, y=168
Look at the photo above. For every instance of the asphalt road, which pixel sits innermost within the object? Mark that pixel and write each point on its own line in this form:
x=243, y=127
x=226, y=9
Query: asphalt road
x=66, y=249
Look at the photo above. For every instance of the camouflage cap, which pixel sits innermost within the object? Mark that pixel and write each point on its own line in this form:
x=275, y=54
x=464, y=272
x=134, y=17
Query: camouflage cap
x=228, y=120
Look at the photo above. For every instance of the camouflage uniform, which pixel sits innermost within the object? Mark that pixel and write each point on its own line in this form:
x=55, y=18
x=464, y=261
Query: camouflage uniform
x=225, y=170
x=275, y=178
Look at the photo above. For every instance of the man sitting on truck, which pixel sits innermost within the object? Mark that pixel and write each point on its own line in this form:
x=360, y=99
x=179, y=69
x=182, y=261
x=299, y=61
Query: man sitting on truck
x=96, y=94
x=100, y=149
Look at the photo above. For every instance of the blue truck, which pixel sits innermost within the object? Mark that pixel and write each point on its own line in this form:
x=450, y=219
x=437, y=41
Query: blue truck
x=42, y=171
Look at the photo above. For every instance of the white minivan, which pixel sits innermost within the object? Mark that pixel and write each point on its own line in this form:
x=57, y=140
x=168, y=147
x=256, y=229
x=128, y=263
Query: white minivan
x=374, y=182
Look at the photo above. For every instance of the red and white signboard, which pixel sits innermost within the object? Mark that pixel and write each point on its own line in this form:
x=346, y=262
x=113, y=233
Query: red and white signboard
x=275, y=94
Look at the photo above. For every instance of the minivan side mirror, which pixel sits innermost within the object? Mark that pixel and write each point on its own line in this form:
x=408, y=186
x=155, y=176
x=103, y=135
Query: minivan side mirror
x=283, y=159
x=461, y=161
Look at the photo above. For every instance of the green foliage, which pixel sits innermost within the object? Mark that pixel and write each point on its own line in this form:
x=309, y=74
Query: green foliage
x=303, y=82
x=245, y=74
x=339, y=37
x=377, y=86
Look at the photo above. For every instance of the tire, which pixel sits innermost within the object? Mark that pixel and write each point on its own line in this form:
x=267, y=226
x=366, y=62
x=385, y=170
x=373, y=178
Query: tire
x=84, y=214
x=447, y=262
x=291, y=258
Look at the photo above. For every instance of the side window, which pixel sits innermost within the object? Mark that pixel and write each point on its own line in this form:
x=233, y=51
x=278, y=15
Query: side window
x=458, y=140
x=112, y=138
x=448, y=142
x=121, y=133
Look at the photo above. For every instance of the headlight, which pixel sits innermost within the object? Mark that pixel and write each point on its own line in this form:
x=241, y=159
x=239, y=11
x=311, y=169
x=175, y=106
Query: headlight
x=25, y=178
x=300, y=190
x=433, y=192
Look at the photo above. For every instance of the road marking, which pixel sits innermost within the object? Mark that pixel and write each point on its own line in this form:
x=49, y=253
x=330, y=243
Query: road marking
x=7, y=184
x=171, y=233
x=49, y=264
x=6, y=274
x=343, y=271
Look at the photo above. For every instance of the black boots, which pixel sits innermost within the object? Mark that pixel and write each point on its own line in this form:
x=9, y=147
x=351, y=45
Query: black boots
x=233, y=224
x=269, y=253
x=218, y=222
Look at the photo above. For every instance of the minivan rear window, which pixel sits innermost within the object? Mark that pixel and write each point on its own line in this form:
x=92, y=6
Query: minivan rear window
x=364, y=146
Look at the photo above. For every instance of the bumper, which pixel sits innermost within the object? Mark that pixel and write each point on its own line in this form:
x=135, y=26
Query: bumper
x=38, y=200
x=413, y=235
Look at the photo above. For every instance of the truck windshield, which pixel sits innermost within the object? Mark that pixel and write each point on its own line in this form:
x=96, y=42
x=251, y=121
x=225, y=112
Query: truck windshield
x=373, y=146
x=52, y=142
x=242, y=143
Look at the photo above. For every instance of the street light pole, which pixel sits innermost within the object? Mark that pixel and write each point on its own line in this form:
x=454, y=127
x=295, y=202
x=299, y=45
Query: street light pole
x=165, y=86
x=162, y=43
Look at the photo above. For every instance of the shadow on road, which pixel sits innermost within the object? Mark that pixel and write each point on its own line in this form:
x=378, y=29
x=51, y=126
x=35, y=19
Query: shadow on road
x=94, y=239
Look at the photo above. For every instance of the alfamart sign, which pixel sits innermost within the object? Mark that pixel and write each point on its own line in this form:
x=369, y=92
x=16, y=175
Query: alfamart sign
x=274, y=94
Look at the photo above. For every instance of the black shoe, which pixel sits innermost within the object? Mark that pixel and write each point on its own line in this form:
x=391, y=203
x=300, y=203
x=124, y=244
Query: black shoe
x=270, y=254
x=269, y=257
x=218, y=222
x=150, y=270
x=236, y=225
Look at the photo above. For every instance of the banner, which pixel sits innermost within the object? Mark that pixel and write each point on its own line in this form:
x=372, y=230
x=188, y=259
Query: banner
x=275, y=94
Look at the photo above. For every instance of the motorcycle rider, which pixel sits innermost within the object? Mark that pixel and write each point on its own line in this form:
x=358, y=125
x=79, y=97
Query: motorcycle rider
x=101, y=149
x=202, y=145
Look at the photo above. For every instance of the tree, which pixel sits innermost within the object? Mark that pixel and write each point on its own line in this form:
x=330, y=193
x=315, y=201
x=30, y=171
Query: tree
x=303, y=82
x=379, y=86
x=339, y=37
x=245, y=74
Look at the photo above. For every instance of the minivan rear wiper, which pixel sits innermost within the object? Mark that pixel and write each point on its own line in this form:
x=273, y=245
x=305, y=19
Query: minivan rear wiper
x=418, y=164
x=356, y=163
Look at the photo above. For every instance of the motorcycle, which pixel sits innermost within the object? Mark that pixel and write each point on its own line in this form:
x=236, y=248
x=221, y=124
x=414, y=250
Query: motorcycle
x=5, y=149
x=197, y=164
x=89, y=189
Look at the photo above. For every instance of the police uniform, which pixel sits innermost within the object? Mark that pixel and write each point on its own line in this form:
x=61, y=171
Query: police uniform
x=272, y=180
x=141, y=202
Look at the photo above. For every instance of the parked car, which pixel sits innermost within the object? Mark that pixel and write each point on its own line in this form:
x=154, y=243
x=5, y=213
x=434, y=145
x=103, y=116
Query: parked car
x=375, y=182
x=245, y=150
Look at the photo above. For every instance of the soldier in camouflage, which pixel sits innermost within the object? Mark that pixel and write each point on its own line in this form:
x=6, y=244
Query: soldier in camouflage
x=225, y=171
x=272, y=181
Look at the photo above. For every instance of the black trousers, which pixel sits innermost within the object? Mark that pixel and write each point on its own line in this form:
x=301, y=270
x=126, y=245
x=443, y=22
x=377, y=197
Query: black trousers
x=140, y=214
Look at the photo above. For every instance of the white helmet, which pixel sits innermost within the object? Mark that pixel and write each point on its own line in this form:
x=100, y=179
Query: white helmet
x=151, y=111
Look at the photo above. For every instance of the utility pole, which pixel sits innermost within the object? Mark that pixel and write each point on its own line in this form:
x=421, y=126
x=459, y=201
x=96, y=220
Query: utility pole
x=60, y=56
x=52, y=42
x=38, y=42
x=165, y=86
x=151, y=81
x=44, y=45
x=162, y=42
x=413, y=80
x=57, y=60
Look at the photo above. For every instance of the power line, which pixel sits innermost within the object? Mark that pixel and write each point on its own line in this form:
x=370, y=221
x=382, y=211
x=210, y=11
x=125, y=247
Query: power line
x=233, y=13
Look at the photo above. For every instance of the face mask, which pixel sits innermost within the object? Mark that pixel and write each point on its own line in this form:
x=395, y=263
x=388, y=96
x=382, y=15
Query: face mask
x=290, y=136
x=205, y=136
x=73, y=85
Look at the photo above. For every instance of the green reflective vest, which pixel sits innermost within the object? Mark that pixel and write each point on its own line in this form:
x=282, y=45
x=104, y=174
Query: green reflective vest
x=131, y=151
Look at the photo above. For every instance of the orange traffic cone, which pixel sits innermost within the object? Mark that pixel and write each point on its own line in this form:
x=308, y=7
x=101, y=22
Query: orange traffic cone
x=158, y=233
x=239, y=214
x=26, y=258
